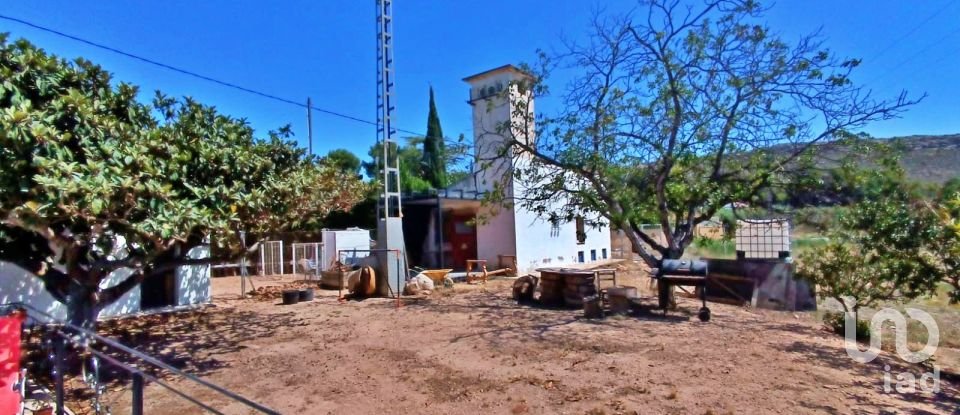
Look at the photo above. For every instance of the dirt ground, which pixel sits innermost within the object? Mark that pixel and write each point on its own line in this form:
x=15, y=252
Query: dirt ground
x=473, y=349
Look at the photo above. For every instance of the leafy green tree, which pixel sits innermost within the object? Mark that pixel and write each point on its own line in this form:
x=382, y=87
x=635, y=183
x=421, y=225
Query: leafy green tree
x=676, y=112
x=434, y=159
x=882, y=250
x=411, y=174
x=92, y=182
x=343, y=160
x=949, y=191
x=947, y=245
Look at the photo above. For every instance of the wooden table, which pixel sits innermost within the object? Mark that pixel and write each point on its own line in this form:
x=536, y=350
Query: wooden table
x=482, y=275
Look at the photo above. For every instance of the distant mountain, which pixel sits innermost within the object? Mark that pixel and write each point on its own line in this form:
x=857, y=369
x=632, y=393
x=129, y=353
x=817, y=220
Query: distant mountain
x=931, y=158
x=925, y=158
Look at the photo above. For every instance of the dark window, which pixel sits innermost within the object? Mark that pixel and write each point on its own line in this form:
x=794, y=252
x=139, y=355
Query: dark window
x=581, y=231
x=580, y=256
x=593, y=254
x=604, y=250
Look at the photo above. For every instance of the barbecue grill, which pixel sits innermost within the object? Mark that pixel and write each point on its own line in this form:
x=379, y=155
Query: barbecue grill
x=682, y=272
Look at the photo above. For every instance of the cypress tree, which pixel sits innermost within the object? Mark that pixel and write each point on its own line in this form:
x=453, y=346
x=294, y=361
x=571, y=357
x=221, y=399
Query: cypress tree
x=434, y=168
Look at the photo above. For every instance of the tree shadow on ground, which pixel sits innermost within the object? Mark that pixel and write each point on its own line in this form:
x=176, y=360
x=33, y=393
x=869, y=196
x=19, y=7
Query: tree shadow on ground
x=499, y=320
x=947, y=400
x=190, y=341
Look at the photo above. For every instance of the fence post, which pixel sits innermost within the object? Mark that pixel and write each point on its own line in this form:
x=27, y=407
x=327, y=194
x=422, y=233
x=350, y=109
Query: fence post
x=137, y=401
x=60, y=344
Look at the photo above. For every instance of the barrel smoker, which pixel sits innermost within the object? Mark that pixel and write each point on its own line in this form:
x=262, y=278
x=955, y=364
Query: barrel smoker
x=682, y=272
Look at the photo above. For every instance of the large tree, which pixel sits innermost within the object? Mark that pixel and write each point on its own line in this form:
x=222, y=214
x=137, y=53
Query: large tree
x=434, y=159
x=344, y=160
x=94, y=181
x=676, y=111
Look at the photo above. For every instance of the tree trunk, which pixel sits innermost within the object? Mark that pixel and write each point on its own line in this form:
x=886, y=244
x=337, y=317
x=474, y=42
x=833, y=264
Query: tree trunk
x=82, y=307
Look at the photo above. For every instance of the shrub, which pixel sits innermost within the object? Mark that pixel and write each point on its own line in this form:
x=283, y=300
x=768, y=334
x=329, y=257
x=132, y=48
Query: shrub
x=838, y=323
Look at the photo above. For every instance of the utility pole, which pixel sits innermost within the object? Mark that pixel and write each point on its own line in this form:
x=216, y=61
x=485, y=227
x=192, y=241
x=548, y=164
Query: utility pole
x=310, y=126
x=393, y=263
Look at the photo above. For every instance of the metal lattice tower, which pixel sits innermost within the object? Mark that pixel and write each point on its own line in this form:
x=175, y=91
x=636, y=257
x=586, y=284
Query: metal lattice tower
x=389, y=215
x=386, y=104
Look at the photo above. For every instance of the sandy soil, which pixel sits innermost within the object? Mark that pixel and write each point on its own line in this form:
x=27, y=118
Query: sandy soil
x=473, y=349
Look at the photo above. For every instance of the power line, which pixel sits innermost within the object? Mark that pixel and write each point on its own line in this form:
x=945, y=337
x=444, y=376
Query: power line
x=199, y=76
x=911, y=57
x=911, y=31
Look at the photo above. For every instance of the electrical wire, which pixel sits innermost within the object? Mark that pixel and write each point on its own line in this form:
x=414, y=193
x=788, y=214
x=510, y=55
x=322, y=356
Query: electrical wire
x=199, y=76
x=917, y=53
x=947, y=4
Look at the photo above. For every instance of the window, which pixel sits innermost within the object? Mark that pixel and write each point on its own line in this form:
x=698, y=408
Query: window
x=604, y=251
x=581, y=231
x=593, y=254
x=463, y=228
x=580, y=256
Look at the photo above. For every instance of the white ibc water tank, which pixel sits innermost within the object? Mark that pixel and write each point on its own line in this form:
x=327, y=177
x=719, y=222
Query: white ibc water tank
x=768, y=238
x=344, y=241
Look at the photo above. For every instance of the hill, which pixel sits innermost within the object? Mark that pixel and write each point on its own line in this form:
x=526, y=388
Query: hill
x=925, y=158
x=930, y=158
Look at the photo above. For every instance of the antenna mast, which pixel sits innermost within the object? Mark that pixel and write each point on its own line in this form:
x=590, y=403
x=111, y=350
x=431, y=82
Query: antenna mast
x=390, y=218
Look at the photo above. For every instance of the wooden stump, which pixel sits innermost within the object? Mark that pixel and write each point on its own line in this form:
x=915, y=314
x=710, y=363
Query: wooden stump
x=620, y=298
x=592, y=307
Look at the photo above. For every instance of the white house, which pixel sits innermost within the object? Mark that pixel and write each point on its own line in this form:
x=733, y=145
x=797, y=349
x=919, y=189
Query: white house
x=460, y=227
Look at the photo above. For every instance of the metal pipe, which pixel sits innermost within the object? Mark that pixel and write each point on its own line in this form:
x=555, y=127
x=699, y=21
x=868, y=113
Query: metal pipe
x=59, y=345
x=163, y=384
x=137, y=399
x=440, y=230
x=146, y=358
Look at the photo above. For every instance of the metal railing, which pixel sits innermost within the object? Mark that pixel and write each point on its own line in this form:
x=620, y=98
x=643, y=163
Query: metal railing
x=84, y=339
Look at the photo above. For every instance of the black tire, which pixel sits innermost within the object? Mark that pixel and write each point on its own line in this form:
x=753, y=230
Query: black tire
x=704, y=314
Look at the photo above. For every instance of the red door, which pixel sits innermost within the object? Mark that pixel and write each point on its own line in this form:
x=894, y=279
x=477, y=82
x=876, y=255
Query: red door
x=460, y=234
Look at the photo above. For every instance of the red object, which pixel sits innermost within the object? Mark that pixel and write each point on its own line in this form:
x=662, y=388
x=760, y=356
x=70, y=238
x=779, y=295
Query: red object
x=462, y=238
x=10, y=329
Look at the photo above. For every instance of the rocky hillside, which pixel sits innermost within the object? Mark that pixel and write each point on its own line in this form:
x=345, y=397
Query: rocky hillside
x=931, y=158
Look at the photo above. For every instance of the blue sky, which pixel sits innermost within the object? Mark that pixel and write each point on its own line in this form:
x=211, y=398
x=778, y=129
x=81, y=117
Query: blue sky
x=325, y=50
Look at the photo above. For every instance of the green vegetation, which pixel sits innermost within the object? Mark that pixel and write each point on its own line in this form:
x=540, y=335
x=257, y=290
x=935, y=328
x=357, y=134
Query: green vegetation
x=877, y=252
x=838, y=323
x=434, y=163
x=343, y=160
x=94, y=181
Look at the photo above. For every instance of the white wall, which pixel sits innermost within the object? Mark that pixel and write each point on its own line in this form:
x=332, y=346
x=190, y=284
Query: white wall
x=128, y=303
x=496, y=235
x=343, y=240
x=491, y=115
x=193, y=282
x=17, y=285
x=538, y=245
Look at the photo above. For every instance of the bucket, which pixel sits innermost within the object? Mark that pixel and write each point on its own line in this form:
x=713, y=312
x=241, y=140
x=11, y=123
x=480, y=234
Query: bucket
x=306, y=294
x=592, y=307
x=291, y=297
